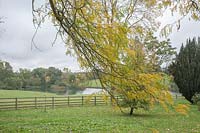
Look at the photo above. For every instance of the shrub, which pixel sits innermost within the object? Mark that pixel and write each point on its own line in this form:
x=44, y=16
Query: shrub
x=196, y=99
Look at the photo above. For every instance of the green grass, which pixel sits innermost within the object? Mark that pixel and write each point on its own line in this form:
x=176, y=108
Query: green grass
x=91, y=83
x=19, y=93
x=98, y=119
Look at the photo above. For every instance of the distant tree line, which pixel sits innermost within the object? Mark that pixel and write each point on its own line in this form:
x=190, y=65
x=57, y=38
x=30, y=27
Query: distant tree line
x=42, y=79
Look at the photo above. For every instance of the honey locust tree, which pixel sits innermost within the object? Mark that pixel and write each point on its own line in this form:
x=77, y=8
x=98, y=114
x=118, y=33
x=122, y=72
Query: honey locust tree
x=182, y=9
x=110, y=38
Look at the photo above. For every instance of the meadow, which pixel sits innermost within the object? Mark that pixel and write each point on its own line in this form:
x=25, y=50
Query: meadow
x=21, y=94
x=99, y=119
x=91, y=83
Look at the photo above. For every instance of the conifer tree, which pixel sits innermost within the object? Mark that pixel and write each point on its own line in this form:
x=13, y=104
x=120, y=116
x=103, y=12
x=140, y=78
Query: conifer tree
x=186, y=69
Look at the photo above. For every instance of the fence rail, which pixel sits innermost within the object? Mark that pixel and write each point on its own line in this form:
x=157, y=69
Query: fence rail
x=52, y=102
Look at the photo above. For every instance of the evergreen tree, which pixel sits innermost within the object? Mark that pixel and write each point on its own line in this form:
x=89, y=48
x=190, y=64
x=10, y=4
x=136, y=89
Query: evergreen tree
x=186, y=69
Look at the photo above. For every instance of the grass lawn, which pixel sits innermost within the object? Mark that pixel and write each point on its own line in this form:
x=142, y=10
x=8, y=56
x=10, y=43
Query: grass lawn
x=91, y=83
x=19, y=93
x=98, y=119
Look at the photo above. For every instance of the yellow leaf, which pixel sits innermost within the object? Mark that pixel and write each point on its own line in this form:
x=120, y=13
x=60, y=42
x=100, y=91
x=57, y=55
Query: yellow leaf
x=182, y=109
x=154, y=130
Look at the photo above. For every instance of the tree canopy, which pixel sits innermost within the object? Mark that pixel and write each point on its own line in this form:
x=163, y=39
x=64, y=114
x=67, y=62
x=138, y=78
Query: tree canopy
x=114, y=39
x=42, y=79
x=186, y=68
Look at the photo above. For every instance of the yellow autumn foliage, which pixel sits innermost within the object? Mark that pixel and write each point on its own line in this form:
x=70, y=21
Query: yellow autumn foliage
x=182, y=109
x=107, y=38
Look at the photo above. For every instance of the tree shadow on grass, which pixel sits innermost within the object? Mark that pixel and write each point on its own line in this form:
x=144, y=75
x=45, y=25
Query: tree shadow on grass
x=149, y=115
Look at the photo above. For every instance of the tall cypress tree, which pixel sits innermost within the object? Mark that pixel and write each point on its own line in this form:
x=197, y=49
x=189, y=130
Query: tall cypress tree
x=186, y=69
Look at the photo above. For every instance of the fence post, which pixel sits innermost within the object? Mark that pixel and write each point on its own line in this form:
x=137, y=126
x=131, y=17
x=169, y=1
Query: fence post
x=68, y=100
x=95, y=100
x=53, y=102
x=16, y=103
x=106, y=101
x=110, y=100
x=45, y=103
x=82, y=100
x=35, y=102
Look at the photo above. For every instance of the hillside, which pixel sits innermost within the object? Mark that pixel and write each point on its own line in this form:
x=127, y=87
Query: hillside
x=92, y=84
x=19, y=93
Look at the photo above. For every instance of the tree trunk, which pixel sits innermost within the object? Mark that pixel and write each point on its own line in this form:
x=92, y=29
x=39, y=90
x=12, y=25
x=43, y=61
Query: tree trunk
x=131, y=112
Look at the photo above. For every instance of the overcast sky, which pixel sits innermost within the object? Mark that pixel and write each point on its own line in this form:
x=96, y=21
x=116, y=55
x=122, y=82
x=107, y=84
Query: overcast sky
x=17, y=31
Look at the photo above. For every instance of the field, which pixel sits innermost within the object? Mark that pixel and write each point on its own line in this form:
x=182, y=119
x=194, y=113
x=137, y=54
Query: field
x=19, y=93
x=92, y=83
x=14, y=100
x=99, y=119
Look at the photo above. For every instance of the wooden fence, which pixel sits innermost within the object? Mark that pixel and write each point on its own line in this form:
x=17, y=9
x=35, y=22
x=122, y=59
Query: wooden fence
x=52, y=102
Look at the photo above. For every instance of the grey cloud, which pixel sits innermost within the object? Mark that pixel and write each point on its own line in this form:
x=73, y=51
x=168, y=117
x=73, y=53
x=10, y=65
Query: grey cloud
x=15, y=42
x=188, y=28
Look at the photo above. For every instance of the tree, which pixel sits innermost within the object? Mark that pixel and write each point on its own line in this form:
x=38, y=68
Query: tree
x=53, y=74
x=159, y=52
x=26, y=77
x=186, y=69
x=107, y=38
x=8, y=79
x=41, y=73
x=40, y=79
x=182, y=9
x=71, y=81
x=13, y=83
x=5, y=70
